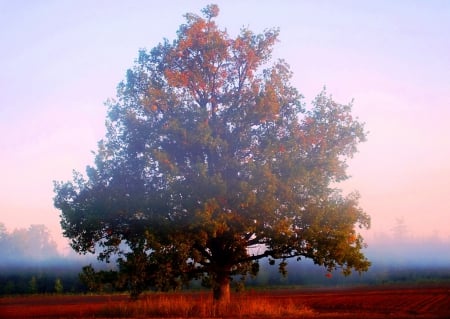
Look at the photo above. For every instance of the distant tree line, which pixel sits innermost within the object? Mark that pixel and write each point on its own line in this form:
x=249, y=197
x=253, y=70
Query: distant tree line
x=30, y=263
x=27, y=245
x=40, y=281
x=54, y=280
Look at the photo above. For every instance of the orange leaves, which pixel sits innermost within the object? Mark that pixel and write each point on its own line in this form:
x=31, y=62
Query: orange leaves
x=313, y=133
x=274, y=95
x=267, y=105
x=245, y=55
x=206, y=62
x=155, y=99
x=352, y=238
x=309, y=121
x=251, y=50
x=177, y=78
x=150, y=107
x=164, y=161
x=211, y=11
x=210, y=67
x=195, y=61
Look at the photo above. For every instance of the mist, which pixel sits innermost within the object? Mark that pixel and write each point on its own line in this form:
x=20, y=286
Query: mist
x=30, y=255
x=411, y=252
x=394, y=261
x=34, y=245
x=399, y=247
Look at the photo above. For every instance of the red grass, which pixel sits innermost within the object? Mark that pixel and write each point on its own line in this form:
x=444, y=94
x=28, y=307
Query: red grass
x=422, y=302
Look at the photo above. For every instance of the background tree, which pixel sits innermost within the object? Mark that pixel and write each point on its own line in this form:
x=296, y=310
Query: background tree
x=33, y=287
x=211, y=163
x=59, y=288
x=27, y=245
x=400, y=229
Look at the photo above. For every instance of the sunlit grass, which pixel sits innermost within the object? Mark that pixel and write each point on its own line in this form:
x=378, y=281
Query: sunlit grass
x=202, y=306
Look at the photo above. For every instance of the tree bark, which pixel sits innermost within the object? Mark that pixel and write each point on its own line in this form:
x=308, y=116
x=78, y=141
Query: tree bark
x=221, y=289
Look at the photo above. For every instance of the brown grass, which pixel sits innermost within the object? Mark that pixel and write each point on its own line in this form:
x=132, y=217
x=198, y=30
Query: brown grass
x=202, y=306
x=369, y=303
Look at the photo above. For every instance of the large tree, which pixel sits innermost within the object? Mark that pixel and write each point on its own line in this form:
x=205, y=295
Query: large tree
x=211, y=162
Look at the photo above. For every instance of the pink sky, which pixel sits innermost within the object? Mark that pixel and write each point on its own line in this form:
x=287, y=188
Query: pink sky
x=61, y=60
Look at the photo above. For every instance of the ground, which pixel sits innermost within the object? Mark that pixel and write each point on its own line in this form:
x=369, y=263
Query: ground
x=367, y=303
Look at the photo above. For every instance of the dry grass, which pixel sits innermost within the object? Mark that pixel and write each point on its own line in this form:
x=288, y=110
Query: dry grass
x=374, y=303
x=202, y=306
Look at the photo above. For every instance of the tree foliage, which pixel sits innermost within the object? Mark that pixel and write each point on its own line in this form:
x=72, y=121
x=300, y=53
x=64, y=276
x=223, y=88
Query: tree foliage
x=211, y=162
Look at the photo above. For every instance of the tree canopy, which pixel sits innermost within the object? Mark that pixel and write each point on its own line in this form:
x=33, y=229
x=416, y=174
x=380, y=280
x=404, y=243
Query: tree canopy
x=212, y=162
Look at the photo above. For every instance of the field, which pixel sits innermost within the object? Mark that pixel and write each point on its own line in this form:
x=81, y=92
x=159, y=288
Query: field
x=367, y=303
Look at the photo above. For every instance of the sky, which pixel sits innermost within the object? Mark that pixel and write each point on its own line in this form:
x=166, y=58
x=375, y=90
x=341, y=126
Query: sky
x=61, y=60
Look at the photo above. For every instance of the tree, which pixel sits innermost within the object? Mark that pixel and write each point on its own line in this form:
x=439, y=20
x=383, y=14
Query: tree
x=211, y=162
x=59, y=288
x=33, y=287
x=400, y=230
x=34, y=244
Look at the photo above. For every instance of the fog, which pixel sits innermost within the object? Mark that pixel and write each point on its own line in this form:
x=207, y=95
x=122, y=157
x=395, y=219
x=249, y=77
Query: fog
x=35, y=246
x=31, y=263
x=26, y=248
x=398, y=247
x=410, y=252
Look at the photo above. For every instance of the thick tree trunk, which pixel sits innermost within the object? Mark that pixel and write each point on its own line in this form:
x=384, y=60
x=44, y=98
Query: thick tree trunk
x=221, y=289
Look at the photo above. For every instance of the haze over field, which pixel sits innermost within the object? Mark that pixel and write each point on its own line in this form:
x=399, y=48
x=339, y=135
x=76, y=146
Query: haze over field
x=61, y=60
x=34, y=246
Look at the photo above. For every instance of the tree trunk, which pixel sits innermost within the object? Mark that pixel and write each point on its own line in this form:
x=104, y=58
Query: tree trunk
x=221, y=289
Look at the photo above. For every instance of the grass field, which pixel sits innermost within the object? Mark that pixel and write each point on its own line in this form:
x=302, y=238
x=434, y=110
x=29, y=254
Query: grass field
x=367, y=303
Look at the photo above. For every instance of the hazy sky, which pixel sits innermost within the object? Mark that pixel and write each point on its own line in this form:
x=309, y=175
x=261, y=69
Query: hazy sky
x=60, y=60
